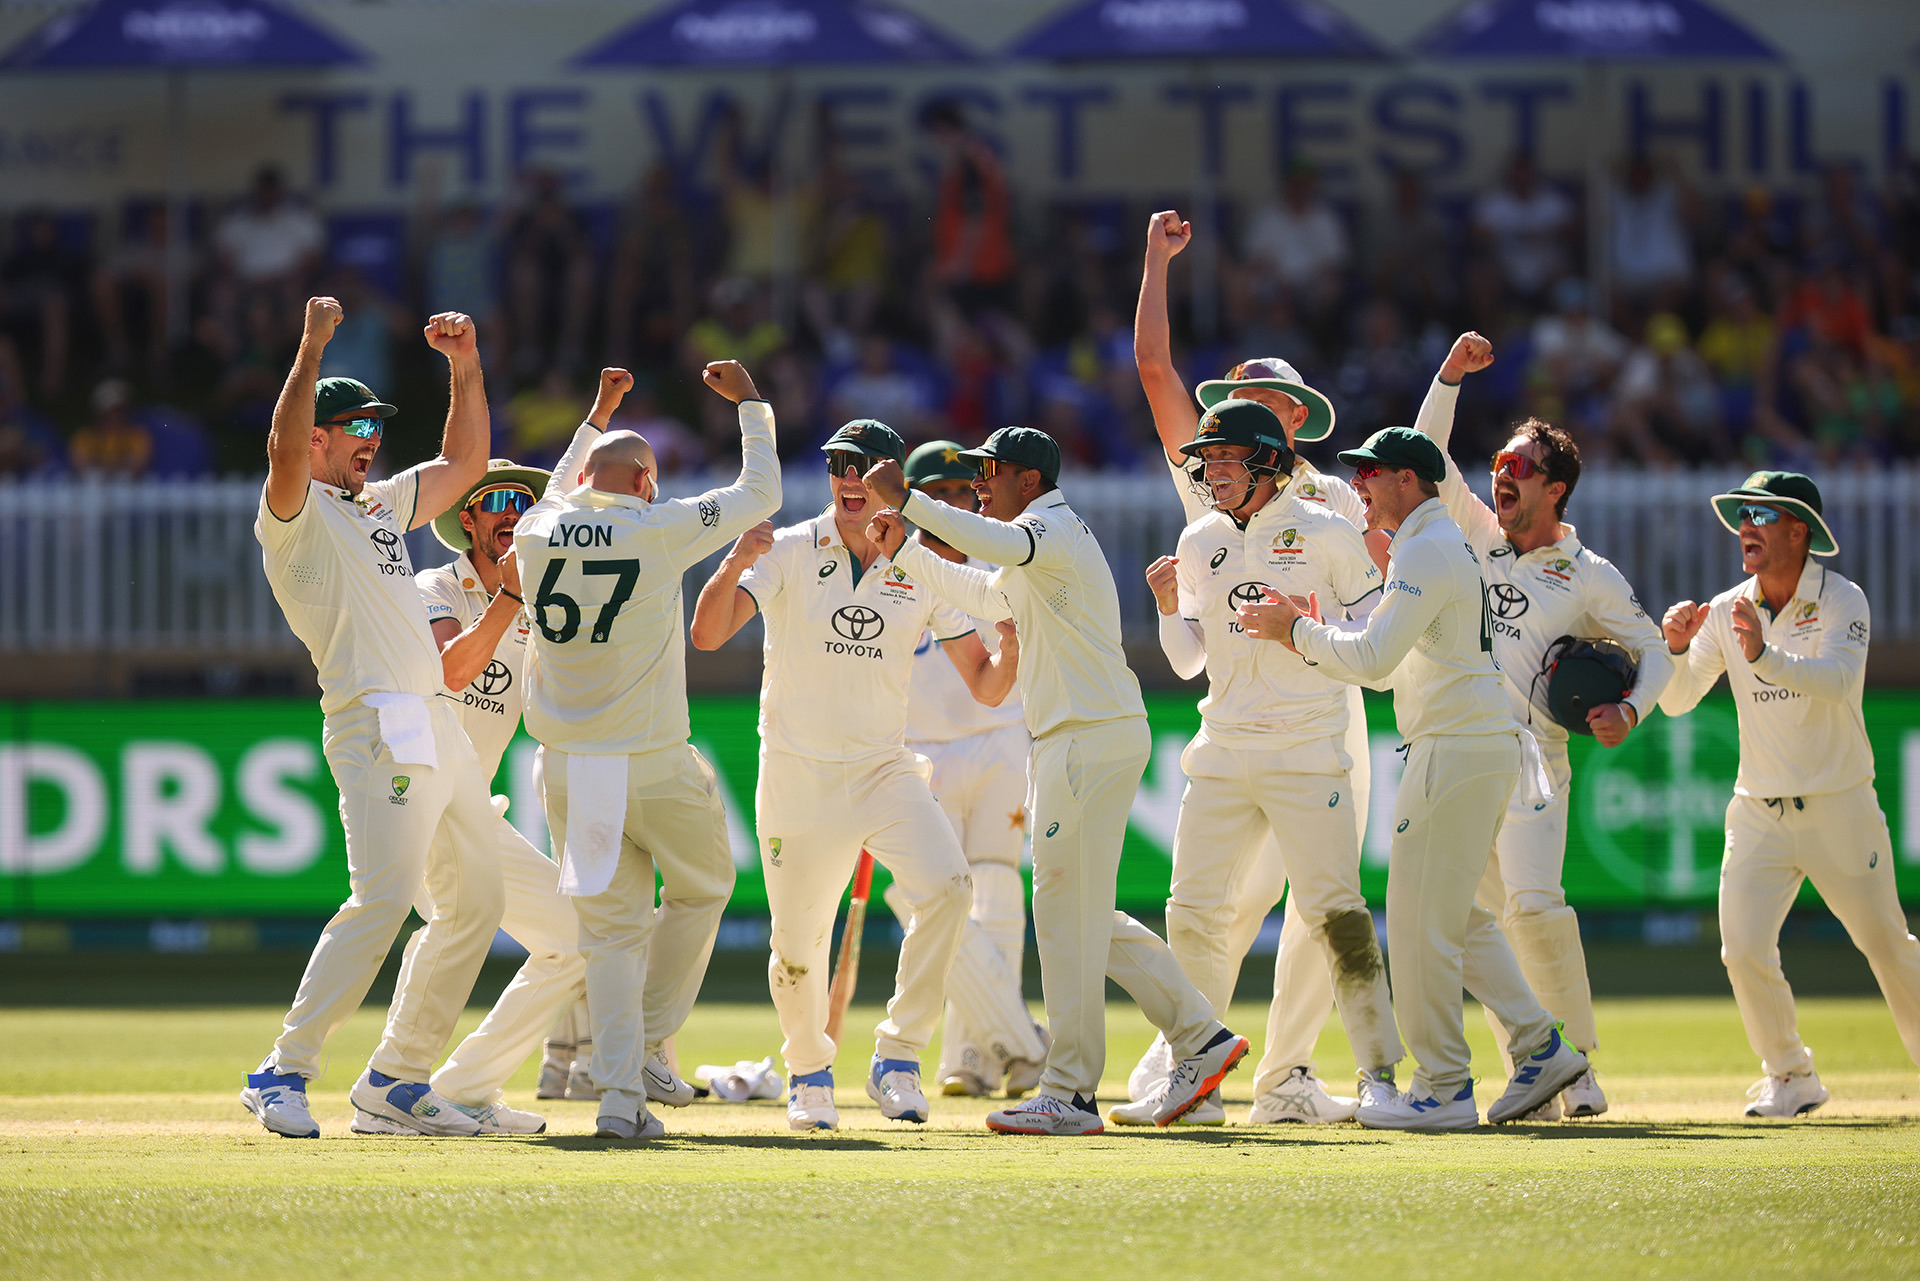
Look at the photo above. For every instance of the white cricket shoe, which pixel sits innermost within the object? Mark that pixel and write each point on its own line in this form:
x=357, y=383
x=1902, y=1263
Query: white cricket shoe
x=1584, y=1097
x=368, y=1123
x=1538, y=1077
x=1149, y=1075
x=1409, y=1113
x=1301, y=1099
x=498, y=1118
x=1209, y=1111
x=1198, y=1075
x=412, y=1104
x=958, y=1084
x=580, y=1083
x=810, y=1102
x=1023, y=1075
x=279, y=1099
x=895, y=1085
x=1377, y=1089
x=663, y=1085
x=1043, y=1114
x=553, y=1079
x=1789, y=1096
x=1544, y=1114
x=645, y=1126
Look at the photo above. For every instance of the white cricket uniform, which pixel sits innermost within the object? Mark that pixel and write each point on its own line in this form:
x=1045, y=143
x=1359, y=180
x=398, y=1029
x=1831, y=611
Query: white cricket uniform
x=625, y=793
x=978, y=756
x=1091, y=745
x=1269, y=800
x=1428, y=636
x=403, y=767
x=1803, y=804
x=836, y=777
x=1534, y=599
x=537, y=916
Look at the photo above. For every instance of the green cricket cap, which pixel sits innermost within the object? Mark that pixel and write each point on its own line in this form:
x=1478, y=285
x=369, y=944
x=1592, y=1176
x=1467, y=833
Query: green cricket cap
x=1401, y=448
x=869, y=436
x=1023, y=447
x=333, y=397
x=938, y=460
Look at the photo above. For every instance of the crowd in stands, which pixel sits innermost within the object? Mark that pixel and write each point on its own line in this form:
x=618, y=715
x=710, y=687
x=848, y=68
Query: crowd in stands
x=1772, y=326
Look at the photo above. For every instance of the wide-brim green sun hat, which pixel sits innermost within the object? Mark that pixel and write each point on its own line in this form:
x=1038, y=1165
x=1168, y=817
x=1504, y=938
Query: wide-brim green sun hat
x=1276, y=375
x=1789, y=491
x=500, y=471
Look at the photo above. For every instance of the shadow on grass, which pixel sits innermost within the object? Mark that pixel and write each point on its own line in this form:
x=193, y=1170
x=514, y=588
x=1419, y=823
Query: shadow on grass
x=795, y=1142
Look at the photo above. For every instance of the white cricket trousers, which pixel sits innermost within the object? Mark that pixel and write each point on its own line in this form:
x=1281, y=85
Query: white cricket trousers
x=1452, y=801
x=981, y=784
x=643, y=966
x=541, y=919
x=1244, y=811
x=1084, y=781
x=391, y=813
x=1839, y=841
x=813, y=819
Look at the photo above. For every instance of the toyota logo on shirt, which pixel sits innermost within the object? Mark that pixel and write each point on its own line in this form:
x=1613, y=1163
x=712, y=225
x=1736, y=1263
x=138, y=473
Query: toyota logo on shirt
x=496, y=679
x=1508, y=601
x=1247, y=594
x=858, y=623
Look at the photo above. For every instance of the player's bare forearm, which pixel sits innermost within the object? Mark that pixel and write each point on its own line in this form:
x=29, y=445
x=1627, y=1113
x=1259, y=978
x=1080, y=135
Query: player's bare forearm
x=1174, y=418
x=290, y=439
x=720, y=612
x=467, y=654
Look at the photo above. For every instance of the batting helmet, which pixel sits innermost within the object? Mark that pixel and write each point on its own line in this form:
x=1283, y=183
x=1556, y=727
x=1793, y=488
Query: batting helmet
x=1583, y=674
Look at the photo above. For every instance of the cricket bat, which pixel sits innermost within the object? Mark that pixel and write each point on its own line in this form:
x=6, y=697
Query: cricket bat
x=847, y=973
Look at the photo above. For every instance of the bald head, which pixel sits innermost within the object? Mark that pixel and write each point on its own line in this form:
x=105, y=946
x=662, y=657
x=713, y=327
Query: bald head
x=618, y=463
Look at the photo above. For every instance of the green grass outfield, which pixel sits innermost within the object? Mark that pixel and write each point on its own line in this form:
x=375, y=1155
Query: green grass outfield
x=124, y=1152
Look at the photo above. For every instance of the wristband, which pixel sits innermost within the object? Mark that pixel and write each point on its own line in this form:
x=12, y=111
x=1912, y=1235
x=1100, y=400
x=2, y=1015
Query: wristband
x=504, y=592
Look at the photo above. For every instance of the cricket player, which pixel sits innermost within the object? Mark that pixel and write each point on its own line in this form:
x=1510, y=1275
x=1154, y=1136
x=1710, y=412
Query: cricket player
x=842, y=619
x=626, y=795
x=1091, y=746
x=1792, y=640
x=1543, y=584
x=1430, y=637
x=331, y=545
x=1268, y=772
x=1302, y=985
x=979, y=759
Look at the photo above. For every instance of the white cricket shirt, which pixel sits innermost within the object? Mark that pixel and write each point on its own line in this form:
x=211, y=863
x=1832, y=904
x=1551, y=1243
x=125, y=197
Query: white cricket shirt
x=1801, y=728
x=340, y=571
x=1429, y=635
x=607, y=671
x=491, y=704
x=1535, y=598
x=1055, y=584
x=940, y=707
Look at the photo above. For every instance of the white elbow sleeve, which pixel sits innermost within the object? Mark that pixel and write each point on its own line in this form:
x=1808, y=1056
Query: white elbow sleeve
x=1180, y=642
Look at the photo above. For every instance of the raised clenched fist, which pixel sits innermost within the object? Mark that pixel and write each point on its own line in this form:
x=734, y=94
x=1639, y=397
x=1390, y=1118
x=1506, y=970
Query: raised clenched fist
x=451, y=333
x=614, y=385
x=1163, y=580
x=888, y=529
x=1167, y=234
x=323, y=314
x=751, y=546
x=1681, y=624
x=1471, y=353
x=730, y=379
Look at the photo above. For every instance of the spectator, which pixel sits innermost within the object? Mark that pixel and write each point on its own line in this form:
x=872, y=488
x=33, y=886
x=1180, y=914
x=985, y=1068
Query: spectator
x=746, y=189
x=362, y=343
x=878, y=388
x=1738, y=348
x=676, y=447
x=1844, y=222
x=28, y=445
x=1382, y=379
x=1528, y=226
x=457, y=264
x=549, y=279
x=1299, y=242
x=1827, y=306
x=652, y=298
x=1577, y=353
x=1411, y=251
x=850, y=258
x=1666, y=405
x=40, y=289
x=130, y=293
x=973, y=250
x=542, y=419
x=270, y=243
x=1651, y=248
x=113, y=445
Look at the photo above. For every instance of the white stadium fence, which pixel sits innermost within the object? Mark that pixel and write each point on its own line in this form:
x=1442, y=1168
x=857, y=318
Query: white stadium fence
x=163, y=566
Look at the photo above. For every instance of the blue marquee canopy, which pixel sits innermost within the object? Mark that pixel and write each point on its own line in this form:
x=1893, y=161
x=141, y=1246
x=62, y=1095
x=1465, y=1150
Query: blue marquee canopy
x=774, y=33
x=1594, y=31
x=179, y=34
x=1102, y=29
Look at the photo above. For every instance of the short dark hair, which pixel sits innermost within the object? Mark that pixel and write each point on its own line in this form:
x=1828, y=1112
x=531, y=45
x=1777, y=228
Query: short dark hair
x=1425, y=486
x=1562, y=462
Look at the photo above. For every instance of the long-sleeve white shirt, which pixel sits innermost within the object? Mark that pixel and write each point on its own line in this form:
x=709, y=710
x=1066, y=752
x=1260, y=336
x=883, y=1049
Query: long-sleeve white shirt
x=607, y=674
x=1055, y=584
x=1534, y=598
x=1429, y=634
x=1801, y=728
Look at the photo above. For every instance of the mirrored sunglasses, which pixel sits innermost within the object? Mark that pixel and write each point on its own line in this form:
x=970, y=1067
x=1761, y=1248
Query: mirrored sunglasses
x=1254, y=369
x=1518, y=466
x=990, y=467
x=1753, y=514
x=364, y=428
x=502, y=500
x=1367, y=471
x=841, y=462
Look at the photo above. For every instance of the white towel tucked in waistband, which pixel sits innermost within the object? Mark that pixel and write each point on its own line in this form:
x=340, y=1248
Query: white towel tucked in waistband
x=596, y=818
x=405, y=728
x=1536, y=785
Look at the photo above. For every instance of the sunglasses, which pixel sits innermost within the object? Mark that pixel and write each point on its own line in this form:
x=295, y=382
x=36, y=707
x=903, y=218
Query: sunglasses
x=364, y=428
x=1518, y=466
x=1750, y=514
x=990, y=467
x=502, y=500
x=842, y=462
x=1367, y=471
x=1253, y=369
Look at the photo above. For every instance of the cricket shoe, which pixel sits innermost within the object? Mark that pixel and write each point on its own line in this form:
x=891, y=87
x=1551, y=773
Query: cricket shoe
x=553, y=1079
x=1209, y=1111
x=624, y=1117
x=1043, y=1114
x=1407, y=1112
x=1584, y=1097
x=810, y=1102
x=663, y=1085
x=1023, y=1075
x=1545, y=1114
x=1788, y=1096
x=1149, y=1075
x=279, y=1099
x=1198, y=1075
x=895, y=1085
x=580, y=1082
x=412, y=1104
x=1301, y=1099
x=1377, y=1089
x=1537, y=1078
x=368, y=1123
x=964, y=1084
x=498, y=1118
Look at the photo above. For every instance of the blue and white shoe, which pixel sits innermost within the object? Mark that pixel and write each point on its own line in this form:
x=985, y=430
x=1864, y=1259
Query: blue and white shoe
x=412, y=1104
x=279, y=1099
x=497, y=1118
x=1410, y=1112
x=1537, y=1078
x=895, y=1085
x=810, y=1102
